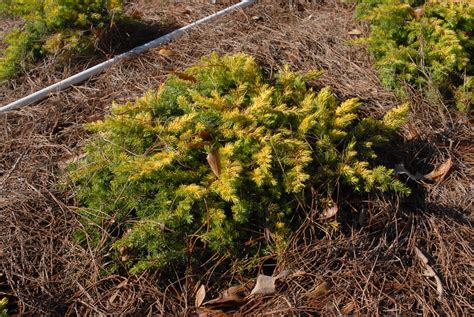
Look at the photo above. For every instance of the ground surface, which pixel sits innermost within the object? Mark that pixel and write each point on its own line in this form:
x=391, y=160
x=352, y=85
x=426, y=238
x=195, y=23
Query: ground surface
x=368, y=268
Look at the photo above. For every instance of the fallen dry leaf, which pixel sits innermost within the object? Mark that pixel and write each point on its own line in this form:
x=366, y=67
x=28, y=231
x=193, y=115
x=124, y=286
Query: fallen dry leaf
x=266, y=285
x=62, y=164
x=182, y=10
x=214, y=160
x=439, y=173
x=200, y=295
x=206, y=136
x=329, y=212
x=166, y=52
x=412, y=133
x=122, y=284
x=319, y=290
x=348, y=308
x=355, y=32
x=234, y=295
x=419, y=12
x=429, y=272
x=184, y=76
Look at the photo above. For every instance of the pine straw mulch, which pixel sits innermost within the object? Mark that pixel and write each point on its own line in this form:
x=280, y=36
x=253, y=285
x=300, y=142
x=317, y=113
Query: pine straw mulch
x=367, y=267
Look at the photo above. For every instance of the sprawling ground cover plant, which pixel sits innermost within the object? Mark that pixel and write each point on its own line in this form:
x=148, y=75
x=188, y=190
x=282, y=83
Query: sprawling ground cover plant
x=217, y=157
x=429, y=46
x=53, y=26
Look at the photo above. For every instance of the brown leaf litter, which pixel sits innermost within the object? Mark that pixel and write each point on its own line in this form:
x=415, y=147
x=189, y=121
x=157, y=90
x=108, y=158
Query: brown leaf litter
x=436, y=175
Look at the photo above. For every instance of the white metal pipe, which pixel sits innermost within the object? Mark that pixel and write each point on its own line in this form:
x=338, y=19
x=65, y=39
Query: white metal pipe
x=88, y=73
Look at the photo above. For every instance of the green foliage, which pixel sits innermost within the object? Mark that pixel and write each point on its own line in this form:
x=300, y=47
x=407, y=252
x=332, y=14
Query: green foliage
x=428, y=46
x=52, y=26
x=3, y=307
x=464, y=95
x=146, y=168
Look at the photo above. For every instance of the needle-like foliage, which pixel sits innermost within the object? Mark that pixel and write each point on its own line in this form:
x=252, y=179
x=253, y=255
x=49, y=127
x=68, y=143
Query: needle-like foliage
x=218, y=156
x=427, y=45
x=51, y=27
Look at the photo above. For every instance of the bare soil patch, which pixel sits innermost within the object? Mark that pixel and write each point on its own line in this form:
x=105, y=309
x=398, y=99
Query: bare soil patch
x=370, y=264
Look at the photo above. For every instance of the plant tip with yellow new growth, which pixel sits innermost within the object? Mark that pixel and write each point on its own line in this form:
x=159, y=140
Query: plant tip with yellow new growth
x=227, y=150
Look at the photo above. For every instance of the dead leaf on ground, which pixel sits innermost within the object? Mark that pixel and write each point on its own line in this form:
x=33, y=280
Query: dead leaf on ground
x=184, y=76
x=200, y=295
x=64, y=163
x=418, y=12
x=122, y=284
x=183, y=10
x=266, y=285
x=411, y=133
x=166, y=52
x=439, y=173
x=319, y=290
x=348, y=308
x=206, y=136
x=429, y=272
x=234, y=295
x=214, y=160
x=329, y=212
x=355, y=32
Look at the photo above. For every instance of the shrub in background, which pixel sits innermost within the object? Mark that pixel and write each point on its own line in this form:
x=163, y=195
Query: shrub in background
x=429, y=46
x=218, y=156
x=53, y=26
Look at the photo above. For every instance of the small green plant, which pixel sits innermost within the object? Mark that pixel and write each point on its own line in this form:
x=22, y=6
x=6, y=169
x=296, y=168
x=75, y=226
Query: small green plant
x=53, y=26
x=3, y=307
x=218, y=156
x=426, y=45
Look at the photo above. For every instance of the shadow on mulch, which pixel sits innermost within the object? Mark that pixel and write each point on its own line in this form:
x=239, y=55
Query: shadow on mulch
x=128, y=34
